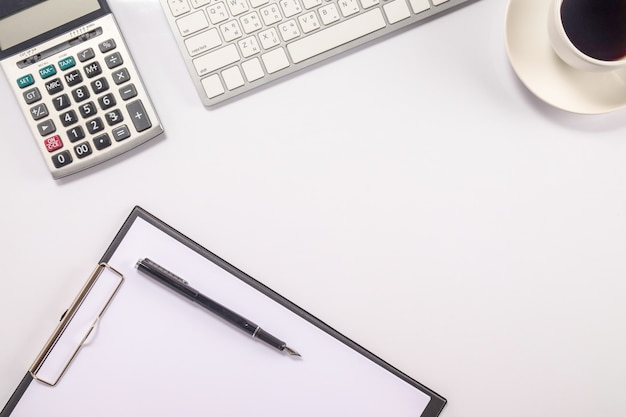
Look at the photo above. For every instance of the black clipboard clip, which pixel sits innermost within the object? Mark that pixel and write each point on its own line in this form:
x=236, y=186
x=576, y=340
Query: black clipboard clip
x=76, y=325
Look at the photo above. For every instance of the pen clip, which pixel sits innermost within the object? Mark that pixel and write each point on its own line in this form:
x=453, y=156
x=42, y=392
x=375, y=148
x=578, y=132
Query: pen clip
x=78, y=322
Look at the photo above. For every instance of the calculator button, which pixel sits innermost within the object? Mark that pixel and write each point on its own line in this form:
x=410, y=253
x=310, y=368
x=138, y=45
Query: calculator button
x=25, y=81
x=107, y=101
x=76, y=134
x=107, y=46
x=128, y=92
x=82, y=150
x=86, y=55
x=69, y=118
x=114, y=117
x=121, y=76
x=61, y=159
x=47, y=72
x=114, y=60
x=95, y=125
x=88, y=110
x=72, y=78
x=39, y=111
x=93, y=69
x=139, y=116
x=80, y=94
x=100, y=85
x=121, y=133
x=54, y=86
x=102, y=141
x=67, y=63
x=46, y=128
x=61, y=102
x=53, y=143
x=31, y=96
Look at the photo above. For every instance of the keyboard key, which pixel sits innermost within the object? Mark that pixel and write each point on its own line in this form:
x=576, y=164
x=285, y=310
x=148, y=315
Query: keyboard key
x=252, y=70
x=107, y=46
x=251, y=22
x=81, y=94
x=61, y=102
x=275, y=60
x=102, y=141
x=231, y=30
x=87, y=110
x=203, y=42
x=100, y=85
x=232, y=78
x=53, y=143
x=114, y=117
x=82, y=150
x=199, y=3
x=121, y=133
x=93, y=69
x=192, y=23
x=25, y=81
x=329, y=13
x=329, y=38
x=62, y=159
x=217, y=13
x=114, y=60
x=258, y=3
x=72, y=78
x=271, y=14
x=32, y=96
x=68, y=118
x=309, y=22
x=292, y=7
x=418, y=6
x=396, y=11
x=213, y=86
x=107, y=101
x=237, y=7
x=46, y=128
x=438, y=2
x=127, y=92
x=95, y=125
x=269, y=38
x=178, y=7
x=47, y=72
x=120, y=76
x=249, y=46
x=75, y=134
x=39, y=111
x=138, y=115
x=67, y=63
x=309, y=4
x=54, y=86
x=216, y=60
x=289, y=30
x=348, y=7
x=86, y=55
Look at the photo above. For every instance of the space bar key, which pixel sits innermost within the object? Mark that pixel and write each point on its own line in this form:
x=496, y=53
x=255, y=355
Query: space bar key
x=336, y=35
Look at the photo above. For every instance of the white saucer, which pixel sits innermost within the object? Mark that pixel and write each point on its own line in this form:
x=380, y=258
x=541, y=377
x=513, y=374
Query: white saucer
x=549, y=78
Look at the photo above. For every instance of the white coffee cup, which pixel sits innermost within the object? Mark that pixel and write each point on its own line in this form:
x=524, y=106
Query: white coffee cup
x=589, y=34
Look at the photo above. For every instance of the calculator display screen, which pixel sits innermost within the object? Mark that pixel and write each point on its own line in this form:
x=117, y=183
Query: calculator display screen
x=21, y=20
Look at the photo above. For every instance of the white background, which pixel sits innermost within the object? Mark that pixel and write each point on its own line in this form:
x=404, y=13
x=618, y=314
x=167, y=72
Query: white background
x=412, y=194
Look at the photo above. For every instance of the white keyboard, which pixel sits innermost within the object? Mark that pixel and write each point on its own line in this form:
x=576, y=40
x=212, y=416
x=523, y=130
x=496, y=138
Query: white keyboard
x=232, y=46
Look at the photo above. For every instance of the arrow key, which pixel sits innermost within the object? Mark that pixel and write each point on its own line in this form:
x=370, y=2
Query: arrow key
x=46, y=127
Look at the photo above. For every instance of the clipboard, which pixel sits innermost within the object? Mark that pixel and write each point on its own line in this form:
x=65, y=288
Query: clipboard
x=129, y=347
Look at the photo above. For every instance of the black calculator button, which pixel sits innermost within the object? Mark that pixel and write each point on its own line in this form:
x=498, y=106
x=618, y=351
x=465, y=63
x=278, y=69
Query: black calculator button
x=138, y=115
x=95, y=125
x=92, y=69
x=86, y=55
x=82, y=150
x=102, y=141
x=46, y=127
x=80, y=94
x=69, y=118
x=107, y=101
x=54, y=86
x=76, y=134
x=127, y=92
x=61, y=102
x=107, y=46
x=39, y=111
x=32, y=96
x=114, y=117
x=114, y=60
x=100, y=85
x=121, y=76
x=121, y=133
x=61, y=159
x=87, y=110
x=72, y=78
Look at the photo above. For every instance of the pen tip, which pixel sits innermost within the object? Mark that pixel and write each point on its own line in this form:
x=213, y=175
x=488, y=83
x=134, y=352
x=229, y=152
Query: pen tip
x=292, y=352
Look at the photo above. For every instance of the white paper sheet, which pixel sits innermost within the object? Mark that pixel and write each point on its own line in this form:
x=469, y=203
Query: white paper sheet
x=157, y=354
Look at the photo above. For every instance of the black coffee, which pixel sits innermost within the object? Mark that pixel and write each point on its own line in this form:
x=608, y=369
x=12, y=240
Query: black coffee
x=596, y=27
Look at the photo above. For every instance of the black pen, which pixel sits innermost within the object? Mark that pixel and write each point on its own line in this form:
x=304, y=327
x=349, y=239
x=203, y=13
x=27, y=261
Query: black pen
x=174, y=282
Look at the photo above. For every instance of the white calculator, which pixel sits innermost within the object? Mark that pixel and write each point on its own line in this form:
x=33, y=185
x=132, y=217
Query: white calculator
x=75, y=80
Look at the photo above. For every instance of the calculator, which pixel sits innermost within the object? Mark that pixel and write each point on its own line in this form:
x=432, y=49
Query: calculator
x=75, y=81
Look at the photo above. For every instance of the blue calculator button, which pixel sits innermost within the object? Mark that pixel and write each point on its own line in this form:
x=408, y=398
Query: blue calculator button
x=66, y=63
x=25, y=81
x=48, y=71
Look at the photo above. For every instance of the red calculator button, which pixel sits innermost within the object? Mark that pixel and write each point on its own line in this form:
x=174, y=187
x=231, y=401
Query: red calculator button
x=53, y=143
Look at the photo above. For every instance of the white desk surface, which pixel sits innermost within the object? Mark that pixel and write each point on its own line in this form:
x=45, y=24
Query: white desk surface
x=441, y=216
